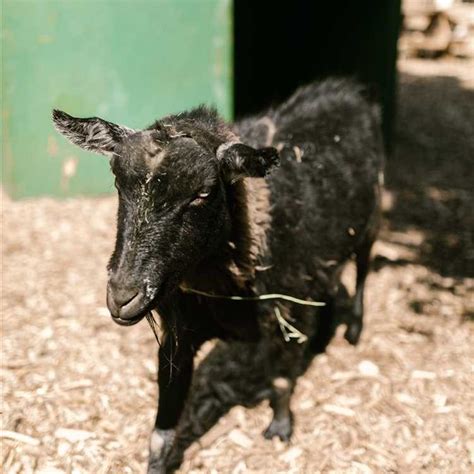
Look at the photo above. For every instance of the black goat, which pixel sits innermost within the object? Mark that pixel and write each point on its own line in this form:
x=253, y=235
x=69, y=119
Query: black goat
x=195, y=215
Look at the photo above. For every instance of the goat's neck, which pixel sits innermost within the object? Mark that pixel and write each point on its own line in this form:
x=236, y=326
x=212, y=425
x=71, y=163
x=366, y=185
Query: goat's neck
x=231, y=269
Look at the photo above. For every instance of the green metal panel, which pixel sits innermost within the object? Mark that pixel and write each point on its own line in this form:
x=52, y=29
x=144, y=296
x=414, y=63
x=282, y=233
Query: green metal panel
x=128, y=61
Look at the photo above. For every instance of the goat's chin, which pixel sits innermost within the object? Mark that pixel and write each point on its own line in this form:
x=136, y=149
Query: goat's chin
x=128, y=322
x=136, y=317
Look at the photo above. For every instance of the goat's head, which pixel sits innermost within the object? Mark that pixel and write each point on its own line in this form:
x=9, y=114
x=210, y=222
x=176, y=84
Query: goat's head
x=173, y=212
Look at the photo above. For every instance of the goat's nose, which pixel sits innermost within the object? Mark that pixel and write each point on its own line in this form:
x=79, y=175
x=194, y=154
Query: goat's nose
x=124, y=302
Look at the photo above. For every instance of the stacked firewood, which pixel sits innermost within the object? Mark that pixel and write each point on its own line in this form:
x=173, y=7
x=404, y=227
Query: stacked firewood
x=432, y=28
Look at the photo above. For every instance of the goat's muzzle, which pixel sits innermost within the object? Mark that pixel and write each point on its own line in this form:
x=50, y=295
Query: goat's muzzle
x=127, y=304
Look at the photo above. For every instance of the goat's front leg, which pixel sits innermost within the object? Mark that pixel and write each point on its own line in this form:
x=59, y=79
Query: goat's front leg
x=174, y=378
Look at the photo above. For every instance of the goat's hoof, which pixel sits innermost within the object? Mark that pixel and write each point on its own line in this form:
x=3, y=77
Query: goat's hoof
x=282, y=428
x=161, y=443
x=157, y=466
x=353, y=331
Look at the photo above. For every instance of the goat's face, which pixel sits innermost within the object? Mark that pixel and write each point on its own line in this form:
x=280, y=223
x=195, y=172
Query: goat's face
x=173, y=211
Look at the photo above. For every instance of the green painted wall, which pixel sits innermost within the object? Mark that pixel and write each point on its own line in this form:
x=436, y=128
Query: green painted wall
x=128, y=61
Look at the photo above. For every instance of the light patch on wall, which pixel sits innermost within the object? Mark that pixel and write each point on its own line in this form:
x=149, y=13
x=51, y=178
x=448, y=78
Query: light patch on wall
x=68, y=170
x=52, y=146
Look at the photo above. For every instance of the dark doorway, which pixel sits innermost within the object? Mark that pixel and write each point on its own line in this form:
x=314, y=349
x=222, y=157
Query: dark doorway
x=281, y=45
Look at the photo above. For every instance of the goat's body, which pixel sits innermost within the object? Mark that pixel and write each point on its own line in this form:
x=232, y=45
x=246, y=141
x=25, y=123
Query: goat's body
x=190, y=221
x=324, y=197
x=300, y=225
x=292, y=233
x=310, y=217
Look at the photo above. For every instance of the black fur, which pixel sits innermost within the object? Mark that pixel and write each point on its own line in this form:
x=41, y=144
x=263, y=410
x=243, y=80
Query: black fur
x=194, y=212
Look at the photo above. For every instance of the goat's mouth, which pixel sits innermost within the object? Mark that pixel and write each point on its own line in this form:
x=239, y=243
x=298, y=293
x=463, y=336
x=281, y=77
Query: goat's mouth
x=128, y=306
x=130, y=321
x=127, y=316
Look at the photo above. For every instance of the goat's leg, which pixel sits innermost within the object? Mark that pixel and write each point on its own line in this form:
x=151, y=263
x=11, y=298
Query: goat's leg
x=282, y=422
x=174, y=378
x=354, y=326
x=325, y=327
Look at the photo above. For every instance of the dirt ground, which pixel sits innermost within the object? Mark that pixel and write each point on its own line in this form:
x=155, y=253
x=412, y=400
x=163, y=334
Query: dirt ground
x=79, y=392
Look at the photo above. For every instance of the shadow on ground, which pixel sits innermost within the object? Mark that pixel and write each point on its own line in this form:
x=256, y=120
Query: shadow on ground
x=431, y=174
x=230, y=375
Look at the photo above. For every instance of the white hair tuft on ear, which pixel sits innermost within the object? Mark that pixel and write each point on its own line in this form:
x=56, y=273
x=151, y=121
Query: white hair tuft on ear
x=93, y=134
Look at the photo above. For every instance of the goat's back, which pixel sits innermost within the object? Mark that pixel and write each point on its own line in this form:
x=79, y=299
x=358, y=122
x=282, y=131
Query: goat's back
x=325, y=195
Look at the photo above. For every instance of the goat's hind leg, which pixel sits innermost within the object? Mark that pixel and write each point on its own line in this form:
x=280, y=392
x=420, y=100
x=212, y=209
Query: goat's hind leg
x=282, y=422
x=355, y=324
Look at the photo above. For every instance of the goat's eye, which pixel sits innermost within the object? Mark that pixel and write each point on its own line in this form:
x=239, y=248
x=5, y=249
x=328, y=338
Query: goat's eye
x=201, y=197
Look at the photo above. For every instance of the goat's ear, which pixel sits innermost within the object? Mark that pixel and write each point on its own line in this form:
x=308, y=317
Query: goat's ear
x=241, y=161
x=92, y=134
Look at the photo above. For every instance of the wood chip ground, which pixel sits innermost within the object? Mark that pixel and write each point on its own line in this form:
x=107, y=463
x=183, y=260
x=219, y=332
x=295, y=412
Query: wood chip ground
x=79, y=392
